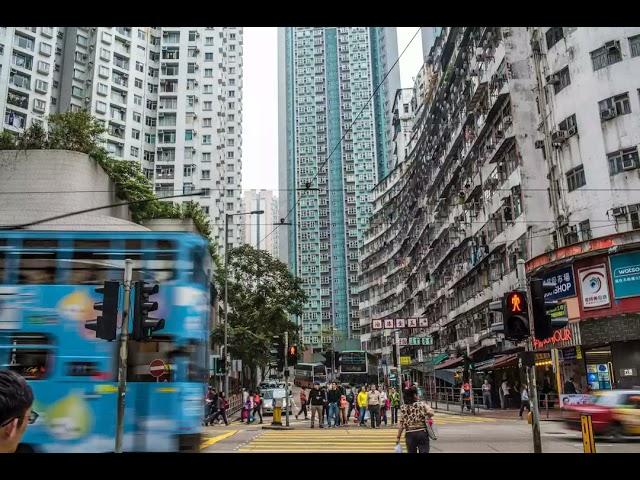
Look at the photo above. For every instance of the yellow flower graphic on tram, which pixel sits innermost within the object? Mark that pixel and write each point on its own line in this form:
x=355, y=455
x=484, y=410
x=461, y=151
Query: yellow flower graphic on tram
x=78, y=306
x=69, y=418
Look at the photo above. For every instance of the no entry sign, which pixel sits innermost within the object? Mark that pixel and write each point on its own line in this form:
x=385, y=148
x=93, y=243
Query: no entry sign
x=157, y=368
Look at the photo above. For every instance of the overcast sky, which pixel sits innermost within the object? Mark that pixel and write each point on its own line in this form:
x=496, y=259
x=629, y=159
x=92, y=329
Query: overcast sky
x=260, y=100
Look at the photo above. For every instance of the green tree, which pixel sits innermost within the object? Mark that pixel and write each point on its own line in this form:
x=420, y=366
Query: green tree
x=75, y=131
x=7, y=140
x=262, y=294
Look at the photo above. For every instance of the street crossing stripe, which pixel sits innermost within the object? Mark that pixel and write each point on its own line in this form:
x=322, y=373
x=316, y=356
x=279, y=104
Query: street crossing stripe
x=210, y=441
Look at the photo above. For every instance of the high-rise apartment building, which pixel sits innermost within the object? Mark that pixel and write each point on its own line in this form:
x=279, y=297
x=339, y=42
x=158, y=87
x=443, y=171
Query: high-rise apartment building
x=258, y=228
x=170, y=98
x=327, y=166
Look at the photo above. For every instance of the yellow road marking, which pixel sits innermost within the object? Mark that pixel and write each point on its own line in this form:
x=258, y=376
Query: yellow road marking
x=210, y=441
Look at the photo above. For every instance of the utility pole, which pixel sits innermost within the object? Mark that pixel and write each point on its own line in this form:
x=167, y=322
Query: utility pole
x=286, y=377
x=122, y=365
x=397, y=338
x=531, y=370
x=226, y=303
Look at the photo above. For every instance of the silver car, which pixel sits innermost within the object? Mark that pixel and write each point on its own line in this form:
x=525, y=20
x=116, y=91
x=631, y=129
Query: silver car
x=268, y=397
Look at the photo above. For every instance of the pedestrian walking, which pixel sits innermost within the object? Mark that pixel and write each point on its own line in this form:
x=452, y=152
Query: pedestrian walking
x=333, y=398
x=414, y=417
x=394, y=397
x=16, y=400
x=222, y=407
x=248, y=409
x=257, y=405
x=209, y=406
x=384, y=406
x=486, y=395
x=373, y=401
x=362, y=405
x=303, y=404
x=351, y=401
x=570, y=387
x=504, y=394
x=317, y=400
x=524, y=400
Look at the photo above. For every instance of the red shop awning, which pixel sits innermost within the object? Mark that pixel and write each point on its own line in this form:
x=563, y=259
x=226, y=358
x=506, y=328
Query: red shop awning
x=452, y=362
x=506, y=361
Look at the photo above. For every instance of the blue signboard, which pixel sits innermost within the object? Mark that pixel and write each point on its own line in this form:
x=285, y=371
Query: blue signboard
x=625, y=274
x=565, y=286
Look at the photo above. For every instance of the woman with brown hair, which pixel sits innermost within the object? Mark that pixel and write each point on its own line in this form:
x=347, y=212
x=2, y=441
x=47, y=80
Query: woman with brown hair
x=414, y=416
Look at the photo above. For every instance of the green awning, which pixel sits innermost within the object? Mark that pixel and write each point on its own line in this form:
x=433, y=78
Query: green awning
x=441, y=357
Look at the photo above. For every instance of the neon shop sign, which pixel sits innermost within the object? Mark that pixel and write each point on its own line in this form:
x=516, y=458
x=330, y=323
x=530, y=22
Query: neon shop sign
x=562, y=335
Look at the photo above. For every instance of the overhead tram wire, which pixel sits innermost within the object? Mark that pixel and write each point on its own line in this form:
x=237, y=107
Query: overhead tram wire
x=308, y=184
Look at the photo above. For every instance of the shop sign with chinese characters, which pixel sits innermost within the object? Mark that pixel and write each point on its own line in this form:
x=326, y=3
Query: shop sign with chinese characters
x=625, y=274
x=594, y=286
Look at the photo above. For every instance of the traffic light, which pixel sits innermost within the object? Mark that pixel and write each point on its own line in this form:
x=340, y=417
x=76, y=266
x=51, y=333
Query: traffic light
x=292, y=355
x=515, y=315
x=105, y=325
x=143, y=325
x=543, y=323
x=276, y=351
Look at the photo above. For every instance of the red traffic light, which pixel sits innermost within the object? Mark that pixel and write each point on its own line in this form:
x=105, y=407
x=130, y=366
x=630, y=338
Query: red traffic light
x=293, y=350
x=516, y=302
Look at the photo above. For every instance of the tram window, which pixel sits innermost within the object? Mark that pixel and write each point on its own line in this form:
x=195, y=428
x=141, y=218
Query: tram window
x=2, y=267
x=27, y=354
x=133, y=244
x=37, y=268
x=93, y=245
x=141, y=354
x=39, y=243
x=166, y=245
x=198, y=275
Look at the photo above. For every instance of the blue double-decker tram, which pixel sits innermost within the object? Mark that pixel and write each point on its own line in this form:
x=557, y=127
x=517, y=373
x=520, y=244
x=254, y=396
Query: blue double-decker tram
x=47, y=294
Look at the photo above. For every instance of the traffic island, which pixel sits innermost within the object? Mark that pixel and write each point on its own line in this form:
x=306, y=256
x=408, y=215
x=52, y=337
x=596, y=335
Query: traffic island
x=276, y=427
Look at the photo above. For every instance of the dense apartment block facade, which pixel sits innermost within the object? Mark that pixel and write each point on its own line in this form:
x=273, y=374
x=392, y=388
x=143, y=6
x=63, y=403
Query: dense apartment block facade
x=327, y=168
x=259, y=230
x=170, y=98
x=525, y=145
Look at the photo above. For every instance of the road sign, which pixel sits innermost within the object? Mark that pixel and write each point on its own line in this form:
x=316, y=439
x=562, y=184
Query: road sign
x=587, y=434
x=157, y=368
x=405, y=360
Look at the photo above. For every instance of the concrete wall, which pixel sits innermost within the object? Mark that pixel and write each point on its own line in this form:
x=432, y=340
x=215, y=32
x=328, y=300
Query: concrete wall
x=38, y=184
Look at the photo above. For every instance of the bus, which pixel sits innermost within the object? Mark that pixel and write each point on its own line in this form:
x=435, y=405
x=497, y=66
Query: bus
x=47, y=293
x=305, y=374
x=357, y=367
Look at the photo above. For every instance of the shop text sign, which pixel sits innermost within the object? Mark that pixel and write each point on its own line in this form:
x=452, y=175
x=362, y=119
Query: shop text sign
x=562, y=335
x=625, y=274
x=564, y=285
x=420, y=341
x=594, y=286
x=392, y=323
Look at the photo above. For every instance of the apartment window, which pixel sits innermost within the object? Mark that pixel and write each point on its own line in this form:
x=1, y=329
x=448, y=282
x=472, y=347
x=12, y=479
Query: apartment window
x=137, y=100
x=47, y=31
x=230, y=129
x=135, y=151
x=576, y=178
x=77, y=92
x=569, y=124
x=188, y=134
x=81, y=40
x=149, y=138
x=606, y=55
x=104, y=54
x=232, y=93
x=208, y=41
x=231, y=105
x=191, y=68
x=208, y=106
x=138, y=83
x=564, y=79
x=634, y=214
x=554, y=35
x=206, y=122
x=230, y=168
x=106, y=38
x=208, y=88
x=619, y=103
x=149, y=156
x=232, y=82
x=152, y=88
x=135, y=134
x=188, y=170
x=208, y=57
x=229, y=180
x=231, y=117
x=230, y=154
x=206, y=174
x=193, y=34
x=137, y=117
x=206, y=192
x=206, y=139
x=102, y=89
x=232, y=36
x=168, y=103
x=43, y=67
x=622, y=160
x=103, y=71
x=634, y=45
x=150, y=121
x=232, y=70
x=101, y=107
x=585, y=230
x=206, y=157
x=230, y=142
x=24, y=42
x=208, y=72
x=140, y=67
x=39, y=105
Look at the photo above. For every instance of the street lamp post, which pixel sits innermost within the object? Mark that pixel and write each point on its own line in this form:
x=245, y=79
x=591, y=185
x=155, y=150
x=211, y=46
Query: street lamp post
x=226, y=291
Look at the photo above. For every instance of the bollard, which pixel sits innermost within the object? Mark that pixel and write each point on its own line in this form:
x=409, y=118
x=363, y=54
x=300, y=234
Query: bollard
x=277, y=416
x=588, y=440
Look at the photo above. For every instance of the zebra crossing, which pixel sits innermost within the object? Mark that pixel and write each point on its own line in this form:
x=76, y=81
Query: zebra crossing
x=338, y=440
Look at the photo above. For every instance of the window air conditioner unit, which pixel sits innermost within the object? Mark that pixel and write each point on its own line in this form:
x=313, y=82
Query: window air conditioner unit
x=608, y=114
x=612, y=45
x=539, y=144
x=559, y=136
x=553, y=79
x=572, y=131
x=628, y=163
x=634, y=208
x=619, y=211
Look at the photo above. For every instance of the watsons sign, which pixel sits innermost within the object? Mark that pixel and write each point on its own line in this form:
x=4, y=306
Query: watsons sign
x=625, y=274
x=565, y=286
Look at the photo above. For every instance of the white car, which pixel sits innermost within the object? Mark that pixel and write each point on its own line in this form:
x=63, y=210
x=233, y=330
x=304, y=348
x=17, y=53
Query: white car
x=268, y=397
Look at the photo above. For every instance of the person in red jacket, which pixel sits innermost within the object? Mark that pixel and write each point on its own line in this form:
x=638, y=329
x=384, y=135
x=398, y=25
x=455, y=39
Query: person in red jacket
x=303, y=404
x=257, y=402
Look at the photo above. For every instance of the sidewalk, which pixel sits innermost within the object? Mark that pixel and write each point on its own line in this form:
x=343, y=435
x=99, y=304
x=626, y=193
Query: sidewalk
x=554, y=415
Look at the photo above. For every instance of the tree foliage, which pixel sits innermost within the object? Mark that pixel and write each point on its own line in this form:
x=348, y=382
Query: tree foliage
x=262, y=294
